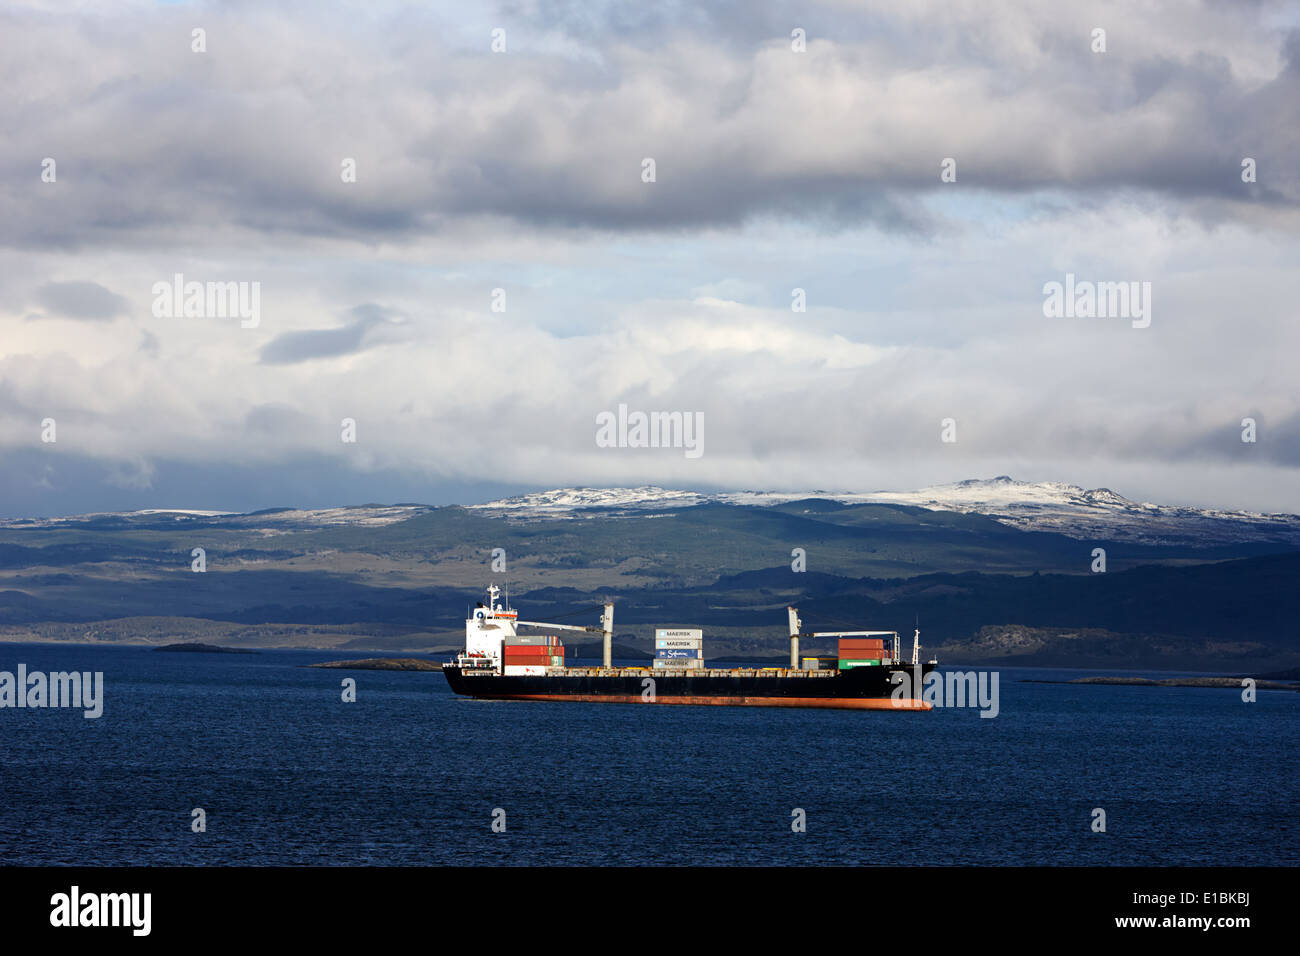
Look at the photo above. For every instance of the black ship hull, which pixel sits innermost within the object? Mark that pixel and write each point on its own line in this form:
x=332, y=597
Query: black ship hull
x=888, y=687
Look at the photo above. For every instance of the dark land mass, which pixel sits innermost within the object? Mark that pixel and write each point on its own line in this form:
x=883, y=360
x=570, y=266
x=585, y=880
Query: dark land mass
x=1291, y=673
x=194, y=647
x=984, y=593
x=383, y=664
x=1232, y=682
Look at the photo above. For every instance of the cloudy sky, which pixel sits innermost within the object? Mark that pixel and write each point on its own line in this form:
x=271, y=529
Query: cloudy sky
x=522, y=170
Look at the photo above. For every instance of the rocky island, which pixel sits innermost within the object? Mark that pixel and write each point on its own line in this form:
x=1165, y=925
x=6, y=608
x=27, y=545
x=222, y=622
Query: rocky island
x=383, y=664
x=195, y=647
x=1234, y=682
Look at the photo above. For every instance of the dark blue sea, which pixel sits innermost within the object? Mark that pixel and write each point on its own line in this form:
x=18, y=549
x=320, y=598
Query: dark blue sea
x=287, y=773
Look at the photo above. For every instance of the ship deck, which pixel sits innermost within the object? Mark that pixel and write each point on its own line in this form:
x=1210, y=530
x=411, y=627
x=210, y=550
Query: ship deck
x=672, y=671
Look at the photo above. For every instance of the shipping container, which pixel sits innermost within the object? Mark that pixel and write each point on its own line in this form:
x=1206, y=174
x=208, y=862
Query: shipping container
x=527, y=640
x=690, y=634
x=524, y=670
x=678, y=653
x=845, y=665
x=693, y=663
x=671, y=642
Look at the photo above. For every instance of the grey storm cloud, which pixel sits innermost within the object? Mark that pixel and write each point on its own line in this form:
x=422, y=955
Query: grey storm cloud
x=80, y=300
x=277, y=419
x=554, y=132
x=775, y=169
x=307, y=344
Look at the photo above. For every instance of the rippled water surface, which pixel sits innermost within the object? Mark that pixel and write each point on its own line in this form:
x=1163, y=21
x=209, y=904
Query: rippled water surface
x=410, y=774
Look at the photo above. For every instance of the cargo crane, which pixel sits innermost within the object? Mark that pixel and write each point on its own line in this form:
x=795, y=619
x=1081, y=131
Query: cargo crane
x=795, y=634
x=606, y=628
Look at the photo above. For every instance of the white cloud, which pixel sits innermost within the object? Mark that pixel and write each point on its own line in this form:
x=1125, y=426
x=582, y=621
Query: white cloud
x=776, y=171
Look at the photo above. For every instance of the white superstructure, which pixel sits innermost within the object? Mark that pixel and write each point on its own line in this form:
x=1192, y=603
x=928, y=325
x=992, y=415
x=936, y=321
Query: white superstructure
x=489, y=626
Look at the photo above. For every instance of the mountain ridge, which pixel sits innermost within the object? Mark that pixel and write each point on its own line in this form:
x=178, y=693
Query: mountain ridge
x=1059, y=507
x=1055, y=506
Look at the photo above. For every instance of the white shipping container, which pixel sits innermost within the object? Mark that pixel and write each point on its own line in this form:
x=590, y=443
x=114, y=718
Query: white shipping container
x=680, y=663
x=678, y=643
x=524, y=670
x=665, y=633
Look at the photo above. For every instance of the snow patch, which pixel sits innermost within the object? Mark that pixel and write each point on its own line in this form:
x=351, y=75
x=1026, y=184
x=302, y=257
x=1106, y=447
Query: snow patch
x=1054, y=506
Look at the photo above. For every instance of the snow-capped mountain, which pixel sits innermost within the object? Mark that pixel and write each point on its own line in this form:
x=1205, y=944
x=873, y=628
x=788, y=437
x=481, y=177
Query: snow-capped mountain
x=1031, y=506
x=268, y=522
x=1066, y=509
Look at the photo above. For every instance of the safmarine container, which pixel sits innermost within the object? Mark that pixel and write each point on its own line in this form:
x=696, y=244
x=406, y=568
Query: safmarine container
x=675, y=653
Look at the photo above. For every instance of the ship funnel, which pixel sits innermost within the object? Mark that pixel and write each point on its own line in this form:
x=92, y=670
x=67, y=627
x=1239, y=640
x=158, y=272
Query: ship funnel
x=795, y=624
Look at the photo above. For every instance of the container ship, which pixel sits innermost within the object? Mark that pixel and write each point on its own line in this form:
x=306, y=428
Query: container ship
x=501, y=663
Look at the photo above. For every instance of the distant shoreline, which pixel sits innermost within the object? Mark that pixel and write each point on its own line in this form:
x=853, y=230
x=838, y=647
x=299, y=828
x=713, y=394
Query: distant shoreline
x=198, y=647
x=1220, y=682
x=381, y=664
